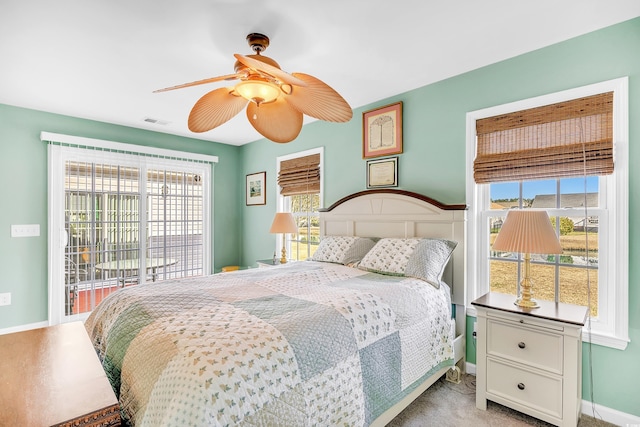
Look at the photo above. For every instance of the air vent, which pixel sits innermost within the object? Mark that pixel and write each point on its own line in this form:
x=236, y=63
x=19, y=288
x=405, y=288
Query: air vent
x=156, y=121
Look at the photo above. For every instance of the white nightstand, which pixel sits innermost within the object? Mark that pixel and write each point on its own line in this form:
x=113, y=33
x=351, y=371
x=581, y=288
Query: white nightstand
x=530, y=359
x=267, y=262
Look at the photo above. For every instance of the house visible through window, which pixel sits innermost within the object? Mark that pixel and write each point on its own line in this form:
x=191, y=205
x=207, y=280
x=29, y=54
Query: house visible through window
x=564, y=153
x=299, y=179
x=127, y=219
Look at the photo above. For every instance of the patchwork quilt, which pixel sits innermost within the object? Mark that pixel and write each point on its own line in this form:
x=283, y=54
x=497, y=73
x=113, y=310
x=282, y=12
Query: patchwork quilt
x=301, y=344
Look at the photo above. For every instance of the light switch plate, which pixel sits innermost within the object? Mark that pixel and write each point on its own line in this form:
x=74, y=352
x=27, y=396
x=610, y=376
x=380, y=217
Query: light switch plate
x=25, y=230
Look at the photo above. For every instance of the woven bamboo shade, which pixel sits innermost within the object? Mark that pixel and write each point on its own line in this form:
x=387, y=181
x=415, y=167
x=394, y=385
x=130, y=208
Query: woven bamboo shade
x=300, y=175
x=552, y=141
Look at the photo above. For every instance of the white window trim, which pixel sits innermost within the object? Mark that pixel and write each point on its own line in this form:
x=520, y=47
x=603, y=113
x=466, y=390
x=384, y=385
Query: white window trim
x=612, y=329
x=113, y=151
x=281, y=206
x=80, y=141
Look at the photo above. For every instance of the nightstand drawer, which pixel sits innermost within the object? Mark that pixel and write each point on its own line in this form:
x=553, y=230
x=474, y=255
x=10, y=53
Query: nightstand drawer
x=526, y=345
x=525, y=387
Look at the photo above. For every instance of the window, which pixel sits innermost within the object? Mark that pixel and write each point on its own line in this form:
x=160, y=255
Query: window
x=300, y=182
x=121, y=219
x=589, y=211
x=571, y=277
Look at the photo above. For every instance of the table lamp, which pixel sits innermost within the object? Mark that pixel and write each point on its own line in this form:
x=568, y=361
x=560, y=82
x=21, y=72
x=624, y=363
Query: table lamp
x=527, y=232
x=283, y=223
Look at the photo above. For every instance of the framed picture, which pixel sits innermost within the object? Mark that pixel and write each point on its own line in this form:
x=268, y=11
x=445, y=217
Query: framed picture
x=256, y=188
x=382, y=131
x=382, y=173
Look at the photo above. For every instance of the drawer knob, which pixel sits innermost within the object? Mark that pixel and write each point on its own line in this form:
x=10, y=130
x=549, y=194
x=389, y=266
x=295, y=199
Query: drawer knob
x=521, y=344
x=520, y=386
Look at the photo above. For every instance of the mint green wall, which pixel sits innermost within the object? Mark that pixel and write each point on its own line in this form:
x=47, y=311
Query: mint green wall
x=23, y=199
x=433, y=162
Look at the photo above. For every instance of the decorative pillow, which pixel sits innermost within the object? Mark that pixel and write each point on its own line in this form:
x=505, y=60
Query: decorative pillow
x=389, y=256
x=429, y=260
x=423, y=259
x=342, y=249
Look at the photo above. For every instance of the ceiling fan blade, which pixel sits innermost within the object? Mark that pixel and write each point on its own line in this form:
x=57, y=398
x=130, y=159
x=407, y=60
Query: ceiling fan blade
x=319, y=100
x=202, y=82
x=215, y=108
x=276, y=72
x=276, y=121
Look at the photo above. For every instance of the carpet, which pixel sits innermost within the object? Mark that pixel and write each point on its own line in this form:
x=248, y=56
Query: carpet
x=446, y=404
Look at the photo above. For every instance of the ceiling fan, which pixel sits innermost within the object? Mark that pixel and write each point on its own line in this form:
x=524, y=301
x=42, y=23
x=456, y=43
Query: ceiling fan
x=276, y=99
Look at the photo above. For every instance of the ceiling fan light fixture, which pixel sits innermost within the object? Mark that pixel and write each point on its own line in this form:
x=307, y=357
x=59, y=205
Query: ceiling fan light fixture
x=286, y=88
x=287, y=97
x=260, y=92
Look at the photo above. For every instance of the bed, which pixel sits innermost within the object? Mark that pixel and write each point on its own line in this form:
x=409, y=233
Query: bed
x=337, y=340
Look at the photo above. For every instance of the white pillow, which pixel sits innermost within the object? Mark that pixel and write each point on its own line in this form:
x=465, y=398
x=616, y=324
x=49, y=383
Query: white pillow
x=423, y=259
x=389, y=256
x=342, y=249
x=429, y=260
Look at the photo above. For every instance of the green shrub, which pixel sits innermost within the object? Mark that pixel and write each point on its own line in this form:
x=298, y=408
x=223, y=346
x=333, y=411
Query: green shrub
x=566, y=225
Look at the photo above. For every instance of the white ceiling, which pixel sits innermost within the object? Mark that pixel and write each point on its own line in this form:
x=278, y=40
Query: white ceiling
x=101, y=59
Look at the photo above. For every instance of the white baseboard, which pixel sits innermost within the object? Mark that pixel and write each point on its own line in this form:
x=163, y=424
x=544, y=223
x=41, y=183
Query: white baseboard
x=470, y=368
x=610, y=415
x=24, y=327
x=604, y=413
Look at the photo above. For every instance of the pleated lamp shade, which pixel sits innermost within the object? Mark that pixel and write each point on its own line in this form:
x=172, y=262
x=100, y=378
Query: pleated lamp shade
x=527, y=231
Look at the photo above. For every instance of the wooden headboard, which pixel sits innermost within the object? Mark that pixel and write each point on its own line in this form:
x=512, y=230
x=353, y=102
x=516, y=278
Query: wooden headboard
x=398, y=213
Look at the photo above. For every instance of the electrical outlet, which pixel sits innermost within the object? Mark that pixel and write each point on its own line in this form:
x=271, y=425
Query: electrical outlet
x=5, y=299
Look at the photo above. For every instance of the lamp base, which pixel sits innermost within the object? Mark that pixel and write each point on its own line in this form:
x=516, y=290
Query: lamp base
x=524, y=303
x=283, y=259
x=525, y=299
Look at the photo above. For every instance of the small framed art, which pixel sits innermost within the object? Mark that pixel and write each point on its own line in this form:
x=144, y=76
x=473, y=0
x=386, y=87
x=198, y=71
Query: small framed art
x=256, y=188
x=382, y=131
x=382, y=173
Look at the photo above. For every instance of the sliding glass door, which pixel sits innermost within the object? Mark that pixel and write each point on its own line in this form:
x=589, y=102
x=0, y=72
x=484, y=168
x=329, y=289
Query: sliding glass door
x=128, y=220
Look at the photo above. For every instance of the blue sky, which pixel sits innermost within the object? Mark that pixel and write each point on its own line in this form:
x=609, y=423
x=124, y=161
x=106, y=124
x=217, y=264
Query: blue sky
x=530, y=189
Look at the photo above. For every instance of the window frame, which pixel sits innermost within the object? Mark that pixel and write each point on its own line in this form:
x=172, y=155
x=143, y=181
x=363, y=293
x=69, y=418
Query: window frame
x=554, y=212
x=611, y=329
x=283, y=204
